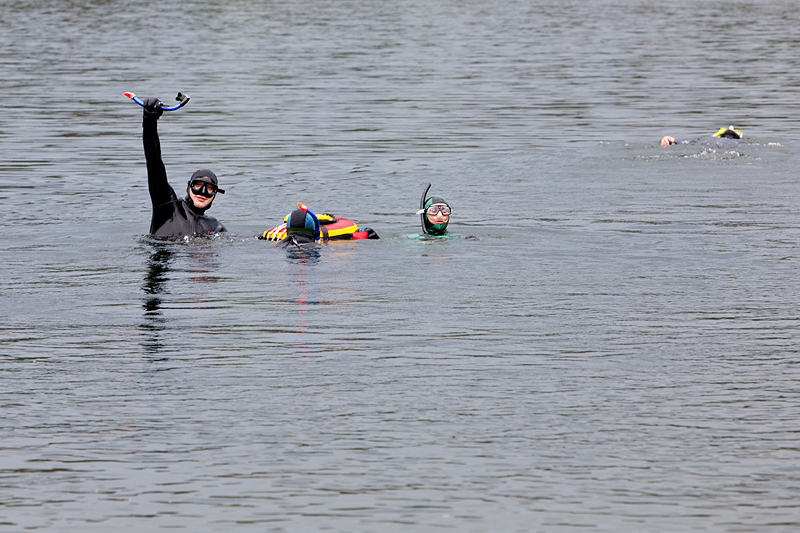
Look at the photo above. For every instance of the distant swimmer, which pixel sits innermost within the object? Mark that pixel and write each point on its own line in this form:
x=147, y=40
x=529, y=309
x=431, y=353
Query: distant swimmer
x=302, y=227
x=723, y=133
x=175, y=218
x=434, y=215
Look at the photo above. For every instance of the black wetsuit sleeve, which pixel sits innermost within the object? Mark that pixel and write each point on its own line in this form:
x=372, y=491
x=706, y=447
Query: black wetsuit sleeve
x=160, y=190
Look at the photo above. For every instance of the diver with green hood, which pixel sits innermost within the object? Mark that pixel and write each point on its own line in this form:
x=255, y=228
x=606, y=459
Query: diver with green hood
x=434, y=215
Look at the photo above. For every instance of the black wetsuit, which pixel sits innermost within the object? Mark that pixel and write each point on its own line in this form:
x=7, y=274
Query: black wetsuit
x=173, y=218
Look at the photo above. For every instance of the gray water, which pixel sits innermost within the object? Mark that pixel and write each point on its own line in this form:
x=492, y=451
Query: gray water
x=617, y=352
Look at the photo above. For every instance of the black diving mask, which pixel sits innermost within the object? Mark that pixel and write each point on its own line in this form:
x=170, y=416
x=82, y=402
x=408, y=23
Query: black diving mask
x=203, y=188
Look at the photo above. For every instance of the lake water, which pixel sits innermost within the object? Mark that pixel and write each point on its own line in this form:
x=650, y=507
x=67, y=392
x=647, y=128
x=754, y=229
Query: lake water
x=617, y=352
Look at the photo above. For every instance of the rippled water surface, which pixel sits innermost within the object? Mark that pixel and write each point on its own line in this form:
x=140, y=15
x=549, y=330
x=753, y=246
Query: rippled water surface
x=616, y=352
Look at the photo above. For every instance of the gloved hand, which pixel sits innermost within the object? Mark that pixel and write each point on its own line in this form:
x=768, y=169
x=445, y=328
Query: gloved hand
x=152, y=108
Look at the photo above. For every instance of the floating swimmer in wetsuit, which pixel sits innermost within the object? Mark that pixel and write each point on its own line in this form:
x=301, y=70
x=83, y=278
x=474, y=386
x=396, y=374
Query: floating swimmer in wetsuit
x=302, y=226
x=175, y=218
x=723, y=133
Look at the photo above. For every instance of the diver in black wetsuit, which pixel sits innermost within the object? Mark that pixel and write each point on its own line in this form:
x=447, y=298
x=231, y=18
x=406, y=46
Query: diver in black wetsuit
x=175, y=218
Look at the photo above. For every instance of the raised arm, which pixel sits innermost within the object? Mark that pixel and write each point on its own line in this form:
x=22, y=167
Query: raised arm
x=160, y=190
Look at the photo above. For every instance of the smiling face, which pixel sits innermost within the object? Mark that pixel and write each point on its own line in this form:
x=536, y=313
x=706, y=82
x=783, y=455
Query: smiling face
x=199, y=201
x=202, y=193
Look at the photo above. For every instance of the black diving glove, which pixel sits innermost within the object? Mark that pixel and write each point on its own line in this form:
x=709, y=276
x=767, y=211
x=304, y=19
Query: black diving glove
x=152, y=108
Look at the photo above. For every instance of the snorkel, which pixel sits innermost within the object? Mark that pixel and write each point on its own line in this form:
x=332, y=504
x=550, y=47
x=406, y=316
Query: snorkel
x=183, y=99
x=422, y=208
x=316, y=220
x=424, y=204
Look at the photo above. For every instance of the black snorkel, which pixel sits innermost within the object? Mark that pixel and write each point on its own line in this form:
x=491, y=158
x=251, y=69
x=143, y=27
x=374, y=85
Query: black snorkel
x=422, y=208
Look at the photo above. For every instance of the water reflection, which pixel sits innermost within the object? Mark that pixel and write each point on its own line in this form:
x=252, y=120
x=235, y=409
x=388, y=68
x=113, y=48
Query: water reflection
x=303, y=256
x=154, y=286
x=204, y=262
x=192, y=263
x=307, y=254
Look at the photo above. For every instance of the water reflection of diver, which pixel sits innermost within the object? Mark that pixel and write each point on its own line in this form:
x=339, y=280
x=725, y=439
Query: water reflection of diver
x=155, y=280
x=302, y=226
x=175, y=218
x=723, y=133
